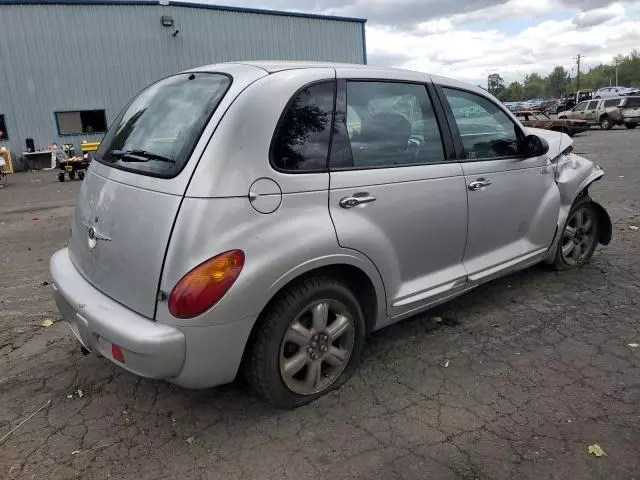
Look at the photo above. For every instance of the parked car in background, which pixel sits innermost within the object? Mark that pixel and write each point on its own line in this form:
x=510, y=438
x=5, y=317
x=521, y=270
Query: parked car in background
x=608, y=92
x=595, y=113
x=631, y=91
x=208, y=239
x=540, y=120
x=630, y=109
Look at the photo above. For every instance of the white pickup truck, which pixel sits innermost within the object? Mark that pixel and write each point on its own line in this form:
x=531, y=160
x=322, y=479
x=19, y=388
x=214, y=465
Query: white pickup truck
x=607, y=112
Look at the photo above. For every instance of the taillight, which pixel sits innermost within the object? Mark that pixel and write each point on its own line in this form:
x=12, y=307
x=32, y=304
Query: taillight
x=205, y=285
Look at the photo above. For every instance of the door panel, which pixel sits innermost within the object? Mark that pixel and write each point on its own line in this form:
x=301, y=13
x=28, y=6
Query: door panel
x=513, y=217
x=393, y=195
x=590, y=113
x=513, y=202
x=414, y=231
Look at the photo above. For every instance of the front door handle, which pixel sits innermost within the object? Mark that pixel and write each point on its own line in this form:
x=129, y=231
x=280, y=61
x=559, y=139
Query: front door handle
x=356, y=199
x=479, y=184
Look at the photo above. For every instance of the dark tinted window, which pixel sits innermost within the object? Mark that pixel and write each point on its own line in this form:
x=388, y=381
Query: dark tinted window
x=302, y=138
x=613, y=102
x=632, y=102
x=487, y=132
x=581, y=106
x=81, y=121
x=3, y=129
x=166, y=120
x=593, y=105
x=391, y=124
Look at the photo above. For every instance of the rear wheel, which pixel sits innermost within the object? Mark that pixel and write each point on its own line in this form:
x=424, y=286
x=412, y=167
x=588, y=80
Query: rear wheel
x=580, y=236
x=81, y=175
x=605, y=123
x=72, y=174
x=61, y=177
x=631, y=126
x=308, y=343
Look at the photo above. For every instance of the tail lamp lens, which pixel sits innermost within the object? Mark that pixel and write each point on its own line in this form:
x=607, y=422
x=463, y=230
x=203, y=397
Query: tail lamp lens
x=205, y=285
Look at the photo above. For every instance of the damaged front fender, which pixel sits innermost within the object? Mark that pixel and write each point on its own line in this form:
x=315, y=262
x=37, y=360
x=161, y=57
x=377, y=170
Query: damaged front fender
x=573, y=176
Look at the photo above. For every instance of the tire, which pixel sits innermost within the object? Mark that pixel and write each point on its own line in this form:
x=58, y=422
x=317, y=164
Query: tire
x=61, y=177
x=72, y=175
x=562, y=118
x=81, y=175
x=585, y=239
x=605, y=123
x=631, y=126
x=270, y=351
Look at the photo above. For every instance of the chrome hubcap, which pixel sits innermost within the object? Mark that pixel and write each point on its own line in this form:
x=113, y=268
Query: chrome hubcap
x=317, y=347
x=578, y=237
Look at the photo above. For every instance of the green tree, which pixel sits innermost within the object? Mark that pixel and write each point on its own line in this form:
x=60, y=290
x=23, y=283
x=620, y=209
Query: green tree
x=495, y=84
x=513, y=93
x=557, y=82
x=533, y=86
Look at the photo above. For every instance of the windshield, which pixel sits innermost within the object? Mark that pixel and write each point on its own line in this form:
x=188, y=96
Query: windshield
x=156, y=133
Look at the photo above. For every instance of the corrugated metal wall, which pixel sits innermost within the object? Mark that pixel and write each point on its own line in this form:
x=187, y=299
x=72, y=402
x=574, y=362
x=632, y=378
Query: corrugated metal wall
x=79, y=57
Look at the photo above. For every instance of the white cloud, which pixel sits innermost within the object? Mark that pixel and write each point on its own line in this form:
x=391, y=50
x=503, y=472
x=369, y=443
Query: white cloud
x=597, y=16
x=447, y=36
x=473, y=55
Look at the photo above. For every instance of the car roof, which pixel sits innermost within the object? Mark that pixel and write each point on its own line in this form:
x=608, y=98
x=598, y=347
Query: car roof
x=274, y=66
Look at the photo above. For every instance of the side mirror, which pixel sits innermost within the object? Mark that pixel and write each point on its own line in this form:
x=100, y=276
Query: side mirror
x=535, y=146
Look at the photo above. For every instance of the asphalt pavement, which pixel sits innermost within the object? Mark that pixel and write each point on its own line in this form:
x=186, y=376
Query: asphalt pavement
x=512, y=381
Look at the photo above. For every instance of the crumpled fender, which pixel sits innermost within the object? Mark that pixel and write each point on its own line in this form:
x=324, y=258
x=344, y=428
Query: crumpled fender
x=573, y=175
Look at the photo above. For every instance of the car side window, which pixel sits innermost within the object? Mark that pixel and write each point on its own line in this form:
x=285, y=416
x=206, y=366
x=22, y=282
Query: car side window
x=301, y=143
x=593, y=105
x=390, y=124
x=611, y=103
x=487, y=132
x=581, y=106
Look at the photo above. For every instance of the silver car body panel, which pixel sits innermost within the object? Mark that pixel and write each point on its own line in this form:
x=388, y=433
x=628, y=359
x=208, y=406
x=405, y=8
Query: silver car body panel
x=425, y=240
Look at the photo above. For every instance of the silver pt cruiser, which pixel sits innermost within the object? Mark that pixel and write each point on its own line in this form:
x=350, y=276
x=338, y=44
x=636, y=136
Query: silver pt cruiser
x=266, y=216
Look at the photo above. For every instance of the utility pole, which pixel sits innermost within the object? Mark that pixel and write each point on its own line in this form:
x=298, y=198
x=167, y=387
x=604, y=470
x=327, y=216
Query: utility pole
x=578, y=76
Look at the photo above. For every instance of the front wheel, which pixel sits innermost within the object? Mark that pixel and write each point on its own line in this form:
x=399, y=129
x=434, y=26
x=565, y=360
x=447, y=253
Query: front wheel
x=580, y=236
x=61, y=177
x=631, y=126
x=308, y=342
x=605, y=123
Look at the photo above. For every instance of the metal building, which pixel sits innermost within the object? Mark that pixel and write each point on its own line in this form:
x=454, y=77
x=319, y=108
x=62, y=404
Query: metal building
x=67, y=67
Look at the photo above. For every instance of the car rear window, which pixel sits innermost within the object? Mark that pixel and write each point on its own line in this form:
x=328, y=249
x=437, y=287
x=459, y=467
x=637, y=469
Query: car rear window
x=157, y=132
x=632, y=102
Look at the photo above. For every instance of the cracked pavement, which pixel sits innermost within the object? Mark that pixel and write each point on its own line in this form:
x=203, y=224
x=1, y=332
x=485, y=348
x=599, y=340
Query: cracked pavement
x=520, y=377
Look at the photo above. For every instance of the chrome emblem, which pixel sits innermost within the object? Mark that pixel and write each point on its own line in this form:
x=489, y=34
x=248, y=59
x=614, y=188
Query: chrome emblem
x=94, y=235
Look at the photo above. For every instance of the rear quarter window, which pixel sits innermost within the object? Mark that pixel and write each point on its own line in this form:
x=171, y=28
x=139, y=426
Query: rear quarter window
x=301, y=141
x=157, y=132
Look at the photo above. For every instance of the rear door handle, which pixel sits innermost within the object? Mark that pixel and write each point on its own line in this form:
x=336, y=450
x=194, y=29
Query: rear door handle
x=479, y=184
x=356, y=199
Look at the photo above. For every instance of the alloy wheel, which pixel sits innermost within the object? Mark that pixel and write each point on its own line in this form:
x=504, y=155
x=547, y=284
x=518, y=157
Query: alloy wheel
x=578, y=236
x=316, y=347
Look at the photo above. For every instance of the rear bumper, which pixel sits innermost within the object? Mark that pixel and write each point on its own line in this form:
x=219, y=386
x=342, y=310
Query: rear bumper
x=150, y=349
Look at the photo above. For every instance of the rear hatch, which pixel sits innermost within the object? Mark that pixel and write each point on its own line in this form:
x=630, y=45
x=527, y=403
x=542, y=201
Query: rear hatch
x=133, y=190
x=630, y=107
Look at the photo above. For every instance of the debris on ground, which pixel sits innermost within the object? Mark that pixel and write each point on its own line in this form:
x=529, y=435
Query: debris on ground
x=596, y=450
x=446, y=364
x=75, y=452
x=44, y=284
x=80, y=393
x=69, y=396
x=23, y=422
x=436, y=319
x=633, y=227
x=634, y=345
x=191, y=440
x=47, y=323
